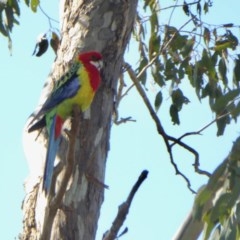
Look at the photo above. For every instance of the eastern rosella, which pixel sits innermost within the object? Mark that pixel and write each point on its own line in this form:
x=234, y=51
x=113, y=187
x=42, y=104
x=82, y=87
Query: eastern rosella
x=77, y=86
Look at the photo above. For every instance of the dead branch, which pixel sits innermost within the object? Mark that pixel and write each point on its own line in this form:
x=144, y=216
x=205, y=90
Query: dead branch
x=119, y=96
x=123, y=210
x=167, y=139
x=124, y=120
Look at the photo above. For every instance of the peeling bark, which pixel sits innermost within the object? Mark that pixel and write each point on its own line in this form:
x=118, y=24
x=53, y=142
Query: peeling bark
x=99, y=25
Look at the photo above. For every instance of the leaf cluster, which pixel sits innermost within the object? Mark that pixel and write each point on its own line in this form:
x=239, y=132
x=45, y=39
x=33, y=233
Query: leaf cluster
x=217, y=204
x=195, y=51
x=9, y=14
x=43, y=41
x=33, y=4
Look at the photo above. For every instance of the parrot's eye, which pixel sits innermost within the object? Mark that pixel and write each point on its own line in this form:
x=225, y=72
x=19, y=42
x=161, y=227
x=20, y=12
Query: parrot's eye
x=95, y=58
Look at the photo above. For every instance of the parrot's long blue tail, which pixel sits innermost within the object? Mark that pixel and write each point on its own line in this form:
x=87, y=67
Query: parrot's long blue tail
x=53, y=144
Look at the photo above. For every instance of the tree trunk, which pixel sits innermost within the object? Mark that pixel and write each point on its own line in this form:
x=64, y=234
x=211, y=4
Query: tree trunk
x=105, y=26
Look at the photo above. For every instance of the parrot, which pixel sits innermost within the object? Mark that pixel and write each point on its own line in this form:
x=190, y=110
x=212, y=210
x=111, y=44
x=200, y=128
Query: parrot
x=76, y=87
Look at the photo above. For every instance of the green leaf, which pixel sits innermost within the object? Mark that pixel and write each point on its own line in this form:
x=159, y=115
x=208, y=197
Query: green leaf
x=233, y=39
x=188, y=47
x=199, y=8
x=174, y=114
x=222, y=69
x=149, y=3
x=229, y=231
x=215, y=182
x=202, y=197
x=170, y=70
x=214, y=58
x=186, y=8
x=14, y=5
x=221, y=124
x=179, y=42
x=208, y=65
x=154, y=22
x=143, y=63
x=207, y=91
x=54, y=42
x=206, y=36
x=235, y=112
x=196, y=77
x=179, y=99
x=34, y=5
x=221, y=208
x=154, y=45
x=224, y=100
x=156, y=73
x=208, y=226
x=3, y=29
x=220, y=212
x=228, y=40
x=236, y=70
x=27, y=2
x=222, y=45
x=158, y=101
x=205, y=7
x=9, y=18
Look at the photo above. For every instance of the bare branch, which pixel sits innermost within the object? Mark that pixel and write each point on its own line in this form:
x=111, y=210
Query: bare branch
x=203, y=128
x=120, y=95
x=160, y=128
x=50, y=20
x=124, y=120
x=123, y=210
x=178, y=5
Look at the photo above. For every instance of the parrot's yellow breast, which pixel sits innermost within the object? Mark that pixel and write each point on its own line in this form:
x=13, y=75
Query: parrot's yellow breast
x=83, y=98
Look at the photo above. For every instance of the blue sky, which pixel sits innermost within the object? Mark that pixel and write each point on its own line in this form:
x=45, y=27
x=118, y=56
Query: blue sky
x=163, y=200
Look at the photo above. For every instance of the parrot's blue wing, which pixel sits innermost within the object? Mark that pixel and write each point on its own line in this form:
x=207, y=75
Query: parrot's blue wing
x=66, y=87
x=66, y=90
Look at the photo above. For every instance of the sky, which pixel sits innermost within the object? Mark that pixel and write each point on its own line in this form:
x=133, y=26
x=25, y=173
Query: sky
x=163, y=201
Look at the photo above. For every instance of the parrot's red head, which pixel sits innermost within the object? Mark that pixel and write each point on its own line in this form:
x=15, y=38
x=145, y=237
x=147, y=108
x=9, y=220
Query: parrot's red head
x=94, y=58
x=93, y=63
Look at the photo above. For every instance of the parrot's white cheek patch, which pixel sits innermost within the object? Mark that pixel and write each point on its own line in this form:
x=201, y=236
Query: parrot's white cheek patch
x=97, y=64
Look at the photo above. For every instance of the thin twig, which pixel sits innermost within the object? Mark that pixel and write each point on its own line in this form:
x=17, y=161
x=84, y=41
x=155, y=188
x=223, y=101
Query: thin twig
x=50, y=20
x=203, y=128
x=126, y=92
x=119, y=96
x=123, y=210
x=159, y=126
x=178, y=5
x=124, y=120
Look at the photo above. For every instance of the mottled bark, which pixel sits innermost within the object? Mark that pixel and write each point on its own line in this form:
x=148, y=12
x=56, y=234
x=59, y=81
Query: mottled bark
x=99, y=25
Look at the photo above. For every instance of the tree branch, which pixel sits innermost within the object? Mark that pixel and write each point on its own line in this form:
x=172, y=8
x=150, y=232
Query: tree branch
x=123, y=210
x=119, y=96
x=162, y=132
x=203, y=128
